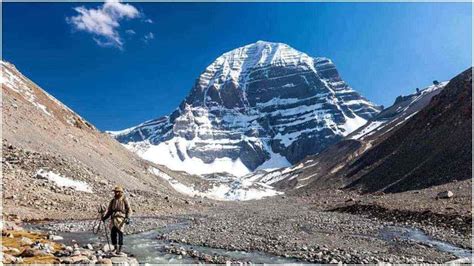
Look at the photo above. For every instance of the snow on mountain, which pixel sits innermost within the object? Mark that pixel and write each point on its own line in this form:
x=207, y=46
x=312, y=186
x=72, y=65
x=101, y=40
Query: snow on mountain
x=403, y=109
x=261, y=106
x=233, y=189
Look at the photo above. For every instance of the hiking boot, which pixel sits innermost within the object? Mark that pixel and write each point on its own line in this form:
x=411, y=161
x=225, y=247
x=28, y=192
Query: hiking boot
x=119, y=252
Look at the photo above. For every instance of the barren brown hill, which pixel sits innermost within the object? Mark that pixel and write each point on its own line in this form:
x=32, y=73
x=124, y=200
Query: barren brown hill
x=48, y=149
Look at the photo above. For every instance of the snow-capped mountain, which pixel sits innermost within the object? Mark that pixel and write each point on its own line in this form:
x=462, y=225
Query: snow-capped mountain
x=264, y=105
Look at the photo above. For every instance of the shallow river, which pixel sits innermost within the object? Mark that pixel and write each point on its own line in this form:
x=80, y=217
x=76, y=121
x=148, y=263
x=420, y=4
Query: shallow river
x=148, y=249
x=417, y=235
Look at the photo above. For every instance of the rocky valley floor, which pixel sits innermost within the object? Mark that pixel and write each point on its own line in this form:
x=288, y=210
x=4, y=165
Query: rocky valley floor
x=330, y=227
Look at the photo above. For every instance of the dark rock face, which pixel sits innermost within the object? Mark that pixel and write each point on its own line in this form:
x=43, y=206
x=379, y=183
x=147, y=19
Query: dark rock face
x=257, y=101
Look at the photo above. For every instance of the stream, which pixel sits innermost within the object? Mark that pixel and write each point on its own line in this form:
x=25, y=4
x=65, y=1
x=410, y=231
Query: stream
x=417, y=235
x=147, y=248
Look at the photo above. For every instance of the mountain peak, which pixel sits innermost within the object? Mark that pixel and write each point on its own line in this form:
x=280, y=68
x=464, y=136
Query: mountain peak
x=259, y=106
x=261, y=53
x=236, y=64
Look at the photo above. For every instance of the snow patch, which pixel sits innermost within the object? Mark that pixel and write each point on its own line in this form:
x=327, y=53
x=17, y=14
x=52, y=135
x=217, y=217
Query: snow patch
x=168, y=153
x=64, y=181
x=374, y=125
x=276, y=161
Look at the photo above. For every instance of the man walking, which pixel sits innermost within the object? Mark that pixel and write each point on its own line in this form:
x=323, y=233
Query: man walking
x=119, y=211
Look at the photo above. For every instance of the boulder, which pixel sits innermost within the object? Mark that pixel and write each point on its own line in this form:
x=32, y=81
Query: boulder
x=25, y=241
x=7, y=258
x=107, y=248
x=55, y=237
x=105, y=261
x=75, y=260
x=31, y=252
x=13, y=250
x=445, y=194
x=124, y=261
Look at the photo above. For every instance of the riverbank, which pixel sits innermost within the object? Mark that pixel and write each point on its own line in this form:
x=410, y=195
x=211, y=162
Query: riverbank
x=22, y=246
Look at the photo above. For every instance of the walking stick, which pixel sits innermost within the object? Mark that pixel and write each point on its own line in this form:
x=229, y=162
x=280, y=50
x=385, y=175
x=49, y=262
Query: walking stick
x=96, y=228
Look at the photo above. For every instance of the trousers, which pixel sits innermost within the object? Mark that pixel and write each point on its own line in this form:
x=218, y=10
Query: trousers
x=116, y=235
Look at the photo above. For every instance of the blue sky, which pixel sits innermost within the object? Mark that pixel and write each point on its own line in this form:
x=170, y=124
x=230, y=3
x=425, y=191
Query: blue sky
x=116, y=79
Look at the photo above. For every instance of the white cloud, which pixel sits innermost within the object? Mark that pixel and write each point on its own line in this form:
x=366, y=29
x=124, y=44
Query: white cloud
x=103, y=23
x=148, y=21
x=149, y=36
x=130, y=31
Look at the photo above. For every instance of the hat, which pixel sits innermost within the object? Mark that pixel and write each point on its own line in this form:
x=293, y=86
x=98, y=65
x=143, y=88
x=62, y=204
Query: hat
x=118, y=188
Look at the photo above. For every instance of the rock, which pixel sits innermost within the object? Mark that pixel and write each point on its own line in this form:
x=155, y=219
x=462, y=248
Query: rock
x=89, y=246
x=55, y=237
x=7, y=258
x=12, y=250
x=25, y=241
x=107, y=248
x=75, y=260
x=123, y=261
x=48, y=248
x=445, y=194
x=62, y=253
x=30, y=252
x=105, y=261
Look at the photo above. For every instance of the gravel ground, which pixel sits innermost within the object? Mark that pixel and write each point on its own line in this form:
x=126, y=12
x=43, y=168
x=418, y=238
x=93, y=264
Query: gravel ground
x=284, y=228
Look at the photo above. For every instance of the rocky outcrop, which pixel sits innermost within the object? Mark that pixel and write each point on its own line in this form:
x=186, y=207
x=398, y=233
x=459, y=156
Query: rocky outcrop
x=264, y=105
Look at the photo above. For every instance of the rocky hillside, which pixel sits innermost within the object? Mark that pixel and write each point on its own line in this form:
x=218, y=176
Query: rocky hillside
x=56, y=164
x=260, y=106
x=323, y=169
x=433, y=148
